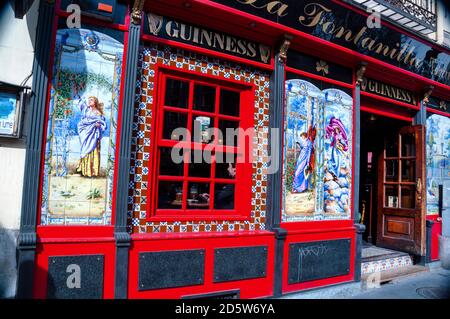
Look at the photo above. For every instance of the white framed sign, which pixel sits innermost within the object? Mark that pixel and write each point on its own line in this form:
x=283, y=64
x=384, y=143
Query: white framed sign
x=10, y=114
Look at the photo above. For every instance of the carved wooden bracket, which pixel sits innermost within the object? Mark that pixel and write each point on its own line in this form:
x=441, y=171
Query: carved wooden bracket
x=284, y=47
x=427, y=93
x=360, y=70
x=136, y=13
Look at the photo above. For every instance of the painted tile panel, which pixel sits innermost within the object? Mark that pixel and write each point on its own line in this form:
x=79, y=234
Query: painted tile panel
x=81, y=129
x=317, y=153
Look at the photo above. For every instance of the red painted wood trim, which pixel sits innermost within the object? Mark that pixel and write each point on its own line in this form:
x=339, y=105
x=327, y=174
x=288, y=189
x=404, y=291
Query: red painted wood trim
x=87, y=240
x=194, y=235
x=318, y=77
x=80, y=231
x=243, y=208
x=318, y=226
x=208, y=52
x=429, y=109
x=311, y=238
x=320, y=230
x=386, y=114
x=96, y=22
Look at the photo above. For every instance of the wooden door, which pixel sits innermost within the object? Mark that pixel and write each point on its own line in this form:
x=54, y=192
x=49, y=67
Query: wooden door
x=401, y=191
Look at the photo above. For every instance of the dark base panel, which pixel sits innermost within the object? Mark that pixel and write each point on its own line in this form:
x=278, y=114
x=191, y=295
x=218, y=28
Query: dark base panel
x=75, y=277
x=232, y=264
x=233, y=294
x=318, y=260
x=219, y=266
x=171, y=269
x=315, y=259
x=75, y=270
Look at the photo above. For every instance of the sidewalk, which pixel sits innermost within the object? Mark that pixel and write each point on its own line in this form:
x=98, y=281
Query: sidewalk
x=434, y=284
x=431, y=284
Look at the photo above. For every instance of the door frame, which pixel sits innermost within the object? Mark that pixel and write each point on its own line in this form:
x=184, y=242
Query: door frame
x=403, y=228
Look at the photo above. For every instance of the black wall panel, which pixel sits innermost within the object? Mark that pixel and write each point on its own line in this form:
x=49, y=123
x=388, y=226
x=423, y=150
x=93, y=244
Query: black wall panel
x=171, y=269
x=317, y=260
x=240, y=263
x=75, y=277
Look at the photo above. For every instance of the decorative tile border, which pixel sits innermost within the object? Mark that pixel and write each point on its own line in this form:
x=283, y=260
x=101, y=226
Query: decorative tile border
x=139, y=186
x=385, y=264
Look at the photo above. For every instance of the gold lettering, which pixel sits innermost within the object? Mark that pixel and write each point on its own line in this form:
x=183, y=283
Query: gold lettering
x=348, y=34
x=314, y=11
x=370, y=45
x=220, y=39
x=273, y=7
x=251, y=52
x=184, y=34
x=325, y=27
x=172, y=32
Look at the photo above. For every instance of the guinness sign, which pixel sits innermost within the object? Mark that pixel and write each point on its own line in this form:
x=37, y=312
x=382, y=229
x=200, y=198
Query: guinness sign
x=182, y=32
x=389, y=91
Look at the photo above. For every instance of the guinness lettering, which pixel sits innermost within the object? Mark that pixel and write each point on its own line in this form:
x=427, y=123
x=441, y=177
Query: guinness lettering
x=386, y=90
x=337, y=24
x=182, y=32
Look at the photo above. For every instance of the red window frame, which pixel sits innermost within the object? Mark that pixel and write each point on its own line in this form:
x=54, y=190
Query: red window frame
x=243, y=179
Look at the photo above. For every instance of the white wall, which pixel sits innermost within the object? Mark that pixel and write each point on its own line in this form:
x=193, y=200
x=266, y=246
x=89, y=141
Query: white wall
x=443, y=19
x=16, y=43
x=16, y=61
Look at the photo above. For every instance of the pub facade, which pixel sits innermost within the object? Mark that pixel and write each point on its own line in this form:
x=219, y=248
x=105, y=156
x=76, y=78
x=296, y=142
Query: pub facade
x=229, y=148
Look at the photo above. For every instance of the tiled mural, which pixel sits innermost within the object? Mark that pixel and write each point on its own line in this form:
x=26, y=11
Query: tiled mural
x=317, y=153
x=438, y=162
x=139, y=187
x=81, y=129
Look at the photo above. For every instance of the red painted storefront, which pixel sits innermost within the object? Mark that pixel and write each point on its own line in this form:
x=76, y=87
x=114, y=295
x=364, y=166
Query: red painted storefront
x=250, y=224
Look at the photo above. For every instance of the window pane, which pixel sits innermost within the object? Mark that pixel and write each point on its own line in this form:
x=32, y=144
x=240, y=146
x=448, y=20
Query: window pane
x=177, y=93
x=225, y=165
x=204, y=98
x=202, y=129
x=230, y=136
x=198, y=197
x=408, y=145
x=170, y=194
x=391, y=170
x=229, y=102
x=408, y=196
x=200, y=165
x=391, y=196
x=391, y=146
x=167, y=165
x=172, y=121
x=408, y=171
x=224, y=196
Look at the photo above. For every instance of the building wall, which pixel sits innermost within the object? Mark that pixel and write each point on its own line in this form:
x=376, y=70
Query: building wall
x=443, y=22
x=16, y=60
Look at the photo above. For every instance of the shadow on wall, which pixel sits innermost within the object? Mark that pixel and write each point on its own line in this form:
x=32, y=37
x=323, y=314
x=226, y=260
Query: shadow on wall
x=8, y=264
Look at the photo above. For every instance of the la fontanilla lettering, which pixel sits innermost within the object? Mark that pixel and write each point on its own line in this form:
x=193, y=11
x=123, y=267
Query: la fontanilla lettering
x=314, y=15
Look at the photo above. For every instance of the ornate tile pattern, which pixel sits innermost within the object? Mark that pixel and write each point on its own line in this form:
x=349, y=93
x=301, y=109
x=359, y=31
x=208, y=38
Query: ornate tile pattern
x=385, y=264
x=139, y=186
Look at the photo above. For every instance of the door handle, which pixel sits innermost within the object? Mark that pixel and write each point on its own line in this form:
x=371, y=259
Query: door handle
x=419, y=189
